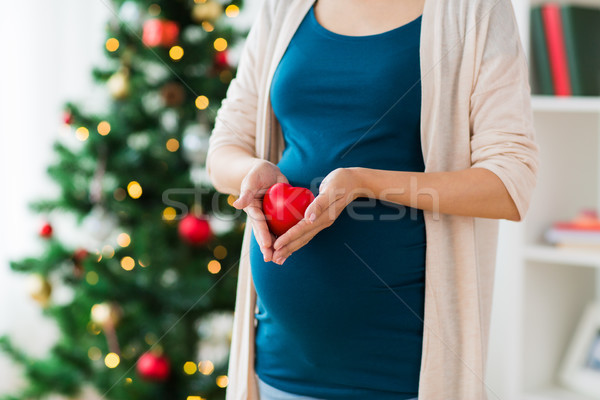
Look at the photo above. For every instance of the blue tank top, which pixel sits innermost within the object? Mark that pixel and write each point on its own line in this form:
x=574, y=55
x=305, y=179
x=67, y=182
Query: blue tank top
x=342, y=318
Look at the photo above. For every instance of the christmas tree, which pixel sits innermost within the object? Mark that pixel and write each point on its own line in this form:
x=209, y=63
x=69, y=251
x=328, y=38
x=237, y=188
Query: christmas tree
x=147, y=285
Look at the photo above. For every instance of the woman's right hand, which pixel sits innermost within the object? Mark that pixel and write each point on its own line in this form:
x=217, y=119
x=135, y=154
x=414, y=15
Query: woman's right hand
x=261, y=177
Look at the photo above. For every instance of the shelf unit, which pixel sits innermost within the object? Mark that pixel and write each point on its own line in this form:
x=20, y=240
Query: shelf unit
x=541, y=291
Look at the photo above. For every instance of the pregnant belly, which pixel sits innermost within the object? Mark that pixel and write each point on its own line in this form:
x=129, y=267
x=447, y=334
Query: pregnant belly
x=368, y=266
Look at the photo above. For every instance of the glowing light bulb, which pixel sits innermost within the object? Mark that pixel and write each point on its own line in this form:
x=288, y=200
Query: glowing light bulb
x=169, y=214
x=202, y=102
x=172, y=145
x=220, y=44
x=127, y=263
x=112, y=44
x=214, y=266
x=104, y=128
x=232, y=11
x=176, y=53
x=134, y=189
x=112, y=360
x=123, y=239
x=190, y=368
x=82, y=133
x=222, y=381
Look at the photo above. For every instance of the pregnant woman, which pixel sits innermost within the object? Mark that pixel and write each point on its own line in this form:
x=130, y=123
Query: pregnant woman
x=341, y=296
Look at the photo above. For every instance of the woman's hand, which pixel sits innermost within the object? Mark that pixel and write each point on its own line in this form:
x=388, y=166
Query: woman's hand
x=261, y=176
x=336, y=191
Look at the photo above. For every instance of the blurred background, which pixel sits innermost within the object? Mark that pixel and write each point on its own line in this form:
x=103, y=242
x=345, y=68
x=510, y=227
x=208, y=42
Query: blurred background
x=96, y=266
x=138, y=75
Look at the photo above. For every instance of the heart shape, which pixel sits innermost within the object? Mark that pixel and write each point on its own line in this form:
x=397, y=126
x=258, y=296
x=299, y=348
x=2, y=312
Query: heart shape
x=284, y=206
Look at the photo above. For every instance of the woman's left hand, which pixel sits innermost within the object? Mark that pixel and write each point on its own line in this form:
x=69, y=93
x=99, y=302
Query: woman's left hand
x=336, y=191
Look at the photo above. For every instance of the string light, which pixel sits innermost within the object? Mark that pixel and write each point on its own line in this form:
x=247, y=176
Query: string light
x=202, y=102
x=190, y=368
x=123, y=239
x=104, y=128
x=199, y=1
x=112, y=44
x=128, y=381
x=108, y=251
x=144, y=262
x=207, y=26
x=94, y=353
x=225, y=76
x=129, y=352
x=195, y=398
x=112, y=360
x=119, y=194
x=154, y=10
x=220, y=44
x=91, y=278
x=220, y=252
x=222, y=381
x=172, y=145
x=206, y=367
x=82, y=133
x=169, y=214
x=151, y=338
x=134, y=189
x=127, y=263
x=232, y=11
x=214, y=266
x=93, y=328
x=176, y=53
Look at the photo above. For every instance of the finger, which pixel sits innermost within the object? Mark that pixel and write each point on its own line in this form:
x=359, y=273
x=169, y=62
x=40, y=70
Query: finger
x=244, y=200
x=259, y=224
x=318, y=206
x=282, y=179
x=302, y=228
x=294, y=232
x=283, y=253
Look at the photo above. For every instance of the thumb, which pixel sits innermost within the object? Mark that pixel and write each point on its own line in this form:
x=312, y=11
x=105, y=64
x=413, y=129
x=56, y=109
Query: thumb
x=244, y=200
x=317, y=207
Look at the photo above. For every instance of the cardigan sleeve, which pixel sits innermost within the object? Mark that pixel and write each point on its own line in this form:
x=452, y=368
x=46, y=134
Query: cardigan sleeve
x=501, y=120
x=235, y=121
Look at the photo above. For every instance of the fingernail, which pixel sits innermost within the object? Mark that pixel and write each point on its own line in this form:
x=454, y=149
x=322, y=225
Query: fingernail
x=312, y=217
x=280, y=261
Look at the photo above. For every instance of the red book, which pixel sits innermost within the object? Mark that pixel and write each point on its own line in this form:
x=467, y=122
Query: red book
x=557, y=52
x=574, y=226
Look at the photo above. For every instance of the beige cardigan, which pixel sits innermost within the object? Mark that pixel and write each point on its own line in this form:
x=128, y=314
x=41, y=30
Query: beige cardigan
x=476, y=112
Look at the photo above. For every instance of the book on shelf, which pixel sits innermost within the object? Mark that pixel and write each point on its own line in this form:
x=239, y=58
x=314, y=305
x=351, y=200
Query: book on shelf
x=565, y=41
x=557, y=52
x=583, y=232
x=581, y=26
x=540, y=60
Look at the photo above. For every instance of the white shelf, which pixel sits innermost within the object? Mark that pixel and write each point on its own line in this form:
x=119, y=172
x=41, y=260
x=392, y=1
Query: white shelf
x=571, y=104
x=555, y=393
x=553, y=255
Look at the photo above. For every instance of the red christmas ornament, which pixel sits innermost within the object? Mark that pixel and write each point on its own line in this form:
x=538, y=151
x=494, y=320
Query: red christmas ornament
x=78, y=257
x=46, y=230
x=68, y=117
x=152, y=367
x=80, y=254
x=284, y=206
x=160, y=32
x=195, y=230
x=221, y=59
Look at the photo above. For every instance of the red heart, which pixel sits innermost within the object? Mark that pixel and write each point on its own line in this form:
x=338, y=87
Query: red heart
x=284, y=206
